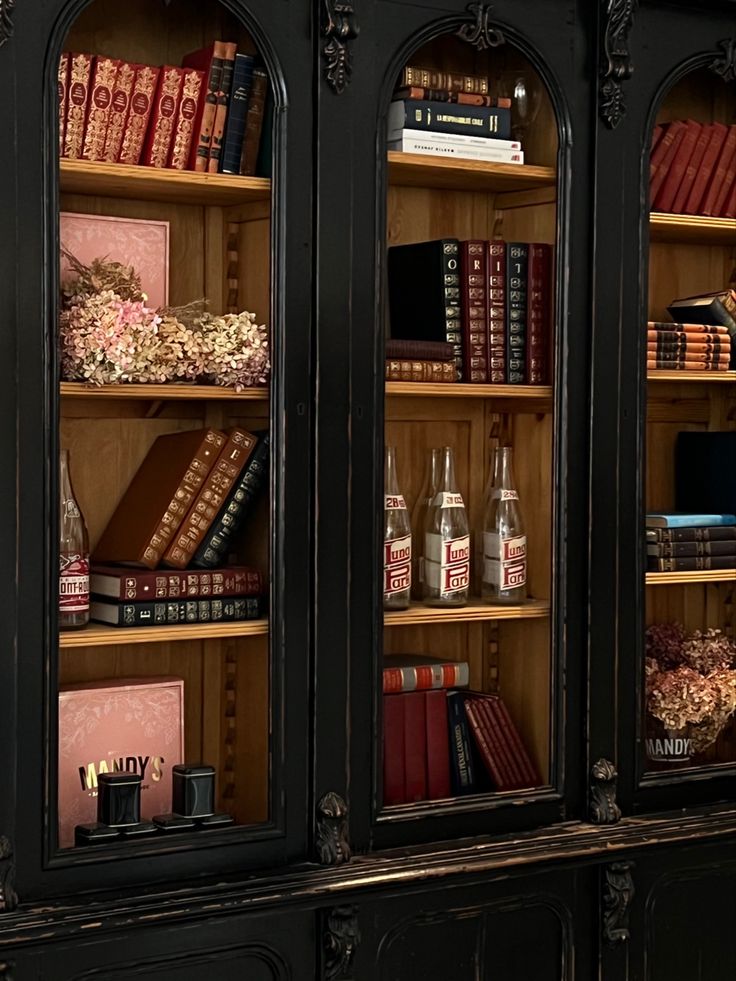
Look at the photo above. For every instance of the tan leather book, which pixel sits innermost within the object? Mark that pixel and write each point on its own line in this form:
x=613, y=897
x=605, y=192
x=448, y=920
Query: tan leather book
x=158, y=497
x=210, y=498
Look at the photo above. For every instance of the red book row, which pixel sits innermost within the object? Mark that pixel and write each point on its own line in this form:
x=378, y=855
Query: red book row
x=692, y=169
x=114, y=111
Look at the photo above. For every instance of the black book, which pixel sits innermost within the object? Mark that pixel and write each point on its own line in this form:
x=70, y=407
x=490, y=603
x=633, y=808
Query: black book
x=712, y=533
x=218, y=537
x=517, y=261
x=462, y=763
x=237, y=111
x=717, y=309
x=172, y=612
x=424, y=293
x=683, y=550
x=693, y=564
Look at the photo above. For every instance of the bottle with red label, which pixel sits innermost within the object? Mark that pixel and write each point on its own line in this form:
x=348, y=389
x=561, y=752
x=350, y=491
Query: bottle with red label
x=396, y=541
x=504, y=572
x=446, y=541
x=73, y=555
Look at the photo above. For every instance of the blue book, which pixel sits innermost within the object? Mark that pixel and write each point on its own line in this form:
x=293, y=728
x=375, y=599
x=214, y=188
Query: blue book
x=681, y=520
x=237, y=113
x=462, y=766
x=449, y=117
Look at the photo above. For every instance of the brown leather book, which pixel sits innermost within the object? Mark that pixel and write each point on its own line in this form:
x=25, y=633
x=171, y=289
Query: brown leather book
x=158, y=498
x=223, y=100
x=209, y=61
x=206, y=505
x=474, y=310
x=254, y=123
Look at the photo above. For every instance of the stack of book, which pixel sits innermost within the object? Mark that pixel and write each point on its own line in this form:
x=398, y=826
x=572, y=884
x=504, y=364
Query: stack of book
x=447, y=114
x=207, y=115
x=492, y=301
x=420, y=361
x=692, y=169
x=182, y=508
x=690, y=542
x=687, y=347
x=440, y=742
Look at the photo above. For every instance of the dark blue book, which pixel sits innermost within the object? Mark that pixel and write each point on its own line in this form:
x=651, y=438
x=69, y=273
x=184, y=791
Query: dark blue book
x=462, y=764
x=444, y=117
x=237, y=112
x=265, y=148
x=218, y=538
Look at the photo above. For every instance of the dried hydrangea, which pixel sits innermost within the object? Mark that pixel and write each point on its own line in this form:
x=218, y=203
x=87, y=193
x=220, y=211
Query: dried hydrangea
x=235, y=350
x=690, y=681
x=100, y=276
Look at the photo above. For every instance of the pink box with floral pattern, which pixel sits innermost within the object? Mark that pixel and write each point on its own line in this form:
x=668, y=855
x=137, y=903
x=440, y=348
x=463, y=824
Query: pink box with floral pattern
x=134, y=724
x=137, y=242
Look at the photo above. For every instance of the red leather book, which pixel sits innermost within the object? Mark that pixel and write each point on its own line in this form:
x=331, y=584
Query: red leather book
x=669, y=131
x=496, y=312
x=729, y=177
x=206, y=505
x=223, y=99
x=209, y=61
x=80, y=71
x=539, y=313
x=730, y=209
x=63, y=86
x=656, y=137
x=141, y=102
x=713, y=198
x=119, y=109
x=104, y=73
x=487, y=747
x=474, y=310
x=191, y=92
x=438, y=745
x=531, y=777
x=254, y=122
x=703, y=176
x=692, y=169
x=415, y=745
x=486, y=704
x=675, y=174
x=394, y=791
x=419, y=672
x=164, y=111
x=677, y=131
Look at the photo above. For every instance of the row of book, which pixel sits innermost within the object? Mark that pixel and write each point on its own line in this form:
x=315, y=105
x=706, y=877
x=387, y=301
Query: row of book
x=187, y=500
x=491, y=300
x=440, y=741
x=682, y=542
x=128, y=598
x=692, y=169
x=447, y=114
x=207, y=115
x=687, y=347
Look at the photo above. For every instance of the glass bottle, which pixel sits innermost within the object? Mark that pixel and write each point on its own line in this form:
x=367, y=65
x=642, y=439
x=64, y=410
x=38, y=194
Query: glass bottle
x=504, y=542
x=419, y=516
x=396, y=541
x=73, y=555
x=446, y=541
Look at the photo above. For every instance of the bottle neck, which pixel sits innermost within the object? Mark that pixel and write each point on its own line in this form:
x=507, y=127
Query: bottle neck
x=435, y=469
x=447, y=473
x=391, y=480
x=503, y=472
x=65, y=484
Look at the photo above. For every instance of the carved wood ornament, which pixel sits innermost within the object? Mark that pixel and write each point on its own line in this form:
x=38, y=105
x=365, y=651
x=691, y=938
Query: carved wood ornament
x=481, y=34
x=618, y=894
x=340, y=940
x=616, y=66
x=8, y=898
x=333, y=846
x=603, y=806
x=6, y=20
x=725, y=64
x=339, y=28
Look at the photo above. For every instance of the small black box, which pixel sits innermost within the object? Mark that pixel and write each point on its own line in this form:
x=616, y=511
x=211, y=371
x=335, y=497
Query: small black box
x=193, y=790
x=119, y=799
x=705, y=472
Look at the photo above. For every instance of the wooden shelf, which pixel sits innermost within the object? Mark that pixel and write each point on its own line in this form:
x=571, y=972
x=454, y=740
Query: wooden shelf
x=101, y=635
x=692, y=228
x=419, y=170
x=681, y=578
x=441, y=389
x=159, y=184
x=419, y=614
x=158, y=392
x=691, y=376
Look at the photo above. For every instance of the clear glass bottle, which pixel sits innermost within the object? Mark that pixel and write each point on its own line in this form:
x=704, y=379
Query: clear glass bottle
x=446, y=541
x=418, y=518
x=504, y=570
x=396, y=541
x=73, y=555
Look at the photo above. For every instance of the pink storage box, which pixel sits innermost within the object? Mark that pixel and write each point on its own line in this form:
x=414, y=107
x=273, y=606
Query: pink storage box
x=137, y=242
x=134, y=724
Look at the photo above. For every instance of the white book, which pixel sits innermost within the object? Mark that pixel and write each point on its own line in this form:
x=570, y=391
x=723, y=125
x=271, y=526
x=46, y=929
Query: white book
x=409, y=144
x=453, y=139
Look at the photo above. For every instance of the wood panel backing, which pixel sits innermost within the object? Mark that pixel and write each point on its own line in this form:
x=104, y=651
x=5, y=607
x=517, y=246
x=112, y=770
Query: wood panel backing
x=524, y=683
x=677, y=271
